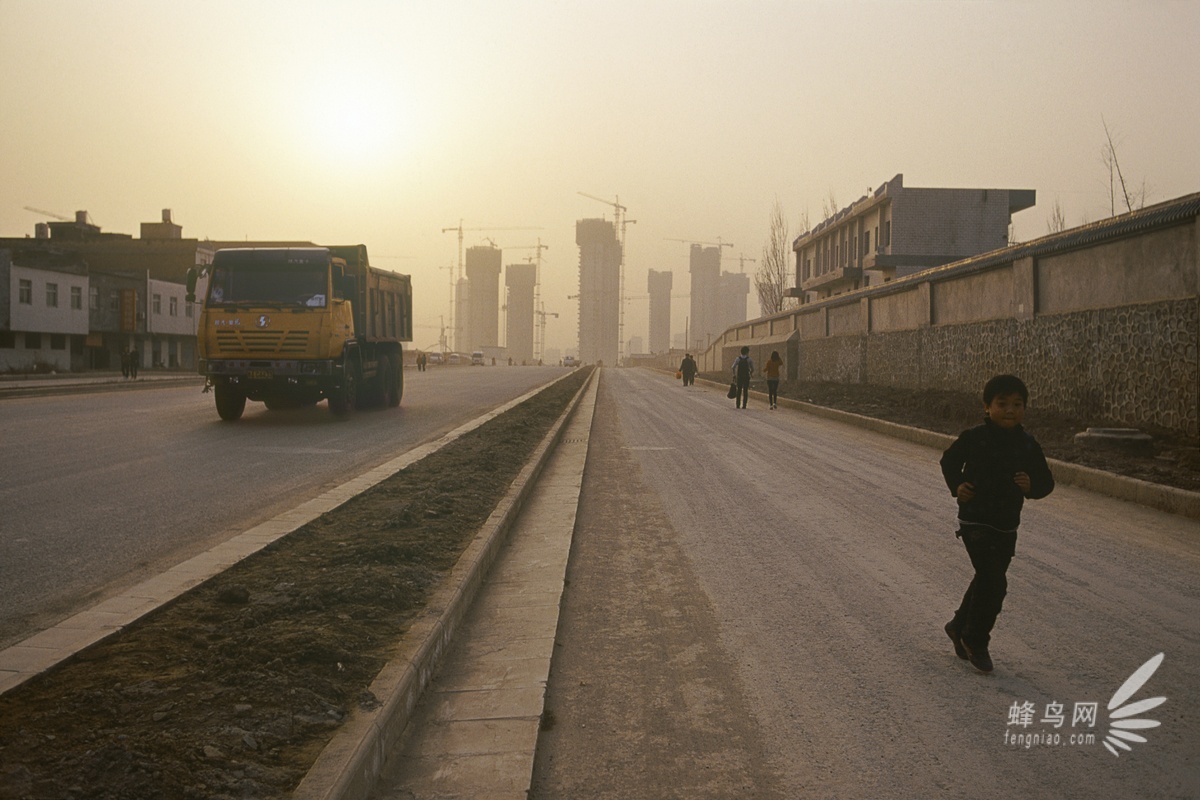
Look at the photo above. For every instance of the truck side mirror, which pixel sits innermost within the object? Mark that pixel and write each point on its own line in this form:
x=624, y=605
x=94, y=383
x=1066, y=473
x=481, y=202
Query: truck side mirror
x=192, y=275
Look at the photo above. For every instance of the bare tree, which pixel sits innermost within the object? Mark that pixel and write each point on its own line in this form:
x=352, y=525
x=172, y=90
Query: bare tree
x=1058, y=220
x=1108, y=156
x=771, y=278
x=829, y=206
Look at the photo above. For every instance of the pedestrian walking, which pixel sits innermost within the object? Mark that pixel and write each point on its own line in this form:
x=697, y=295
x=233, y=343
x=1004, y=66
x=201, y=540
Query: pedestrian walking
x=124, y=362
x=771, y=373
x=688, y=369
x=422, y=359
x=991, y=469
x=134, y=357
x=743, y=368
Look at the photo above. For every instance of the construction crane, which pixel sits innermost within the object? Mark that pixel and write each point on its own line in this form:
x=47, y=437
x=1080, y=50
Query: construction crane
x=539, y=352
x=45, y=213
x=620, y=220
x=456, y=276
x=742, y=263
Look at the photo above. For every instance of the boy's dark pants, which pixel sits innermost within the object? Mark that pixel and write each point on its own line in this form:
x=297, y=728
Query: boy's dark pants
x=990, y=551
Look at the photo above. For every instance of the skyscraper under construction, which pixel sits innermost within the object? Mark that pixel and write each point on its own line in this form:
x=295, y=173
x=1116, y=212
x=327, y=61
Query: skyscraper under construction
x=519, y=280
x=483, y=297
x=599, y=291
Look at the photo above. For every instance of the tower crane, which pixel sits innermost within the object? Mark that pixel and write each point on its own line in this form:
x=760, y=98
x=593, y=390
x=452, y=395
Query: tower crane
x=456, y=276
x=717, y=244
x=539, y=354
x=742, y=259
x=45, y=213
x=621, y=220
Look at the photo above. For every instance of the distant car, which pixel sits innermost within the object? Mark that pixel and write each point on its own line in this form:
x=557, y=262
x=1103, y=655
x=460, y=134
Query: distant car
x=453, y=358
x=477, y=358
x=570, y=361
x=434, y=358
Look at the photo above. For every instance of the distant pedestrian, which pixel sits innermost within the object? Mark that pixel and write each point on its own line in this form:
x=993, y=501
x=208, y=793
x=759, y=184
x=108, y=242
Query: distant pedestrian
x=688, y=369
x=771, y=373
x=991, y=469
x=124, y=362
x=134, y=357
x=743, y=368
x=422, y=360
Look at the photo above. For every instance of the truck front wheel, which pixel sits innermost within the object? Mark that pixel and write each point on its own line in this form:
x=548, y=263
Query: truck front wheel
x=344, y=398
x=231, y=401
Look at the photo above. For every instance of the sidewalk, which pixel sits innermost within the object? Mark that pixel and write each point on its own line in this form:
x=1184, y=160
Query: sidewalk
x=78, y=382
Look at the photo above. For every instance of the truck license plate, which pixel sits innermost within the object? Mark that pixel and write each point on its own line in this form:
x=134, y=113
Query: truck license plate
x=260, y=373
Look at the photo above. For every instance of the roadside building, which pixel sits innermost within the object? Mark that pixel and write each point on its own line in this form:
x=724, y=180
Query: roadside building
x=899, y=230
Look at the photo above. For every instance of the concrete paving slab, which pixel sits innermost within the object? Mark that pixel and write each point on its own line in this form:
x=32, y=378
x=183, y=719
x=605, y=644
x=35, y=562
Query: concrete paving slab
x=474, y=732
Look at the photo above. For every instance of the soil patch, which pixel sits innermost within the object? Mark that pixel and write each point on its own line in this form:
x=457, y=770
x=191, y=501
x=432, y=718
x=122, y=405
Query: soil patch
x=1175, y=460
x=233, y=690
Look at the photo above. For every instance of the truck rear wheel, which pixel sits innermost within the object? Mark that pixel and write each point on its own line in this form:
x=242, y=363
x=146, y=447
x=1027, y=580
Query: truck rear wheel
x=397, y=381
x=231, y=402
x=343, y=399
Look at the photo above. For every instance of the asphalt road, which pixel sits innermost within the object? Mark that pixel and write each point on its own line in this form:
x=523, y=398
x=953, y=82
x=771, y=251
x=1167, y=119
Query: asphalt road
x=755, y=603
x=100, y=490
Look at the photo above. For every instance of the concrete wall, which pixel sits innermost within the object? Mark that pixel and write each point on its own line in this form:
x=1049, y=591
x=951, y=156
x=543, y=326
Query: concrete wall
x=1102, y=322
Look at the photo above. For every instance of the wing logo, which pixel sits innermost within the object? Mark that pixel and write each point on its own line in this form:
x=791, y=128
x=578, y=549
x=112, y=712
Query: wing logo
x=1124, y=719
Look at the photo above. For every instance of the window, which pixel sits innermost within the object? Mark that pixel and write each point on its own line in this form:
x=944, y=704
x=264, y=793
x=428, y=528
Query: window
x=158, y=304
x=51, y=295
x=77, y=297
x=187, y=310
x=8, y=340
x=866, y=243
x=33, y=341
x=887, y=233
x=25, y=292
x=114, y=300
x=58, y=341
x=173, y=305
x=94, y=298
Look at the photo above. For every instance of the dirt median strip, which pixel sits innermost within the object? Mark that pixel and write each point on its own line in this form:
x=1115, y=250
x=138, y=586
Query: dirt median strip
x=351, y=764
x=237, y=687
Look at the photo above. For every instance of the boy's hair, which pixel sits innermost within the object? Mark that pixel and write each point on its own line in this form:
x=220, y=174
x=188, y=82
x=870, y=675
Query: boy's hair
x=745, y=350
x=1004, y=384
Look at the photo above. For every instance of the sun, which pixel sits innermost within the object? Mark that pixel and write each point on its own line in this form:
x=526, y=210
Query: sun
x=353, y=120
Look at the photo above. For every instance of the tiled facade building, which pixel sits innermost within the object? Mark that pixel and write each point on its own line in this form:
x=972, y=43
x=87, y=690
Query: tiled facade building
x=900, y=230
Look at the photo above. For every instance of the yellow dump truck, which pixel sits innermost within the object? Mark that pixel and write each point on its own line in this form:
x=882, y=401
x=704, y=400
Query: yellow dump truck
x=292, y=326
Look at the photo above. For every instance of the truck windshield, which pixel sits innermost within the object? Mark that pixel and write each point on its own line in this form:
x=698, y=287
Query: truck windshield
x=289, y=284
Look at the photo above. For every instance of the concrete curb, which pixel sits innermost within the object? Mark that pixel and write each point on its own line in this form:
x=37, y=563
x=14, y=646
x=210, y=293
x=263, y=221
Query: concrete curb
x=351, y=763
x=1152, y=495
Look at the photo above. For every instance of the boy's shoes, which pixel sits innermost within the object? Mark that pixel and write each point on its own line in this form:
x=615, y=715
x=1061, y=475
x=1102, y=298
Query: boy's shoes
x=959, y=650
x=978, y=656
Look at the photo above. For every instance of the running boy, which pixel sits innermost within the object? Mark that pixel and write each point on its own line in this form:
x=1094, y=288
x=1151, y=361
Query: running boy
x=991, y=469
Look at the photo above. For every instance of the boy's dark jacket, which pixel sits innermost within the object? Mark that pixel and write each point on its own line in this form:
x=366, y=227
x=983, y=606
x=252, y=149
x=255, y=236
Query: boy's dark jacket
x=988, y=456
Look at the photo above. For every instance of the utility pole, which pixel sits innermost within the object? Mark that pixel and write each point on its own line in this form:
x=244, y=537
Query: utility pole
x=621, y=220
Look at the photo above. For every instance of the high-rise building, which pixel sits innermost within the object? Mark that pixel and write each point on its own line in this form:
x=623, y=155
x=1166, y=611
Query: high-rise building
x=734, y=288
x=659, y=285
x=483, y=299
x=705, y=322
x=519, y=280
x=599, y=291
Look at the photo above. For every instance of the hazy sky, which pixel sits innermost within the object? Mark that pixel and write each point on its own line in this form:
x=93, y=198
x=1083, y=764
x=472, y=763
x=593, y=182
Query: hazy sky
x=384, y=122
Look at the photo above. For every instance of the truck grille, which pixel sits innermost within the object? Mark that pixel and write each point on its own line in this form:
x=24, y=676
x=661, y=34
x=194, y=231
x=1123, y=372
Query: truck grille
x=249, y=342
